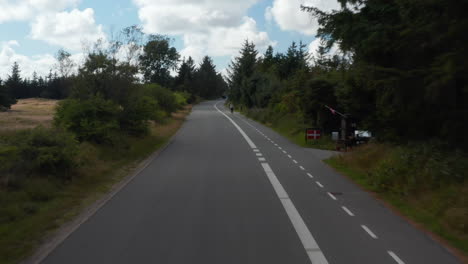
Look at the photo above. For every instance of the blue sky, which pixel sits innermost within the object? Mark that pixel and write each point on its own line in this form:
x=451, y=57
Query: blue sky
x=32, y=31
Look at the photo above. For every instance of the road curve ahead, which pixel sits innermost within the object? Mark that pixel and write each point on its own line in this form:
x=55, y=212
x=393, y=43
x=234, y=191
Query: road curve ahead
x=229, y=190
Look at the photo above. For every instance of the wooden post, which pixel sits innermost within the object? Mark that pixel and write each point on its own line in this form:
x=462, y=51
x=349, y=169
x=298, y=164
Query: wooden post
x=343, y=128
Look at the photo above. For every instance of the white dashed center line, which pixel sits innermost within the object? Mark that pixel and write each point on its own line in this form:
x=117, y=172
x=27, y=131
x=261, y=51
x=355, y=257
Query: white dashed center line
x=347, y=211
x=313, y=251
x=369, y=232
x=311, y=247
x=395, y=257
x=331, y=196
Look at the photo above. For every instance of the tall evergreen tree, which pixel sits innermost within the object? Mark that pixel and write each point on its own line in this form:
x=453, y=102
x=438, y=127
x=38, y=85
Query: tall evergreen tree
x=240, y=70
x=14, y=83
x=209, y=84
x=6, y=98
x=185, y=76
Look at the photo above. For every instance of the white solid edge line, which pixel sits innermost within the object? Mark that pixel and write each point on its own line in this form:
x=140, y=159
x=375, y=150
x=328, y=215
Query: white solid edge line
x=369, y=232
x=310, y=175
x=310, y=245
x=395, y=257
x=332, y=196
x=249, y=141
x=319, y=184
x=347, y=210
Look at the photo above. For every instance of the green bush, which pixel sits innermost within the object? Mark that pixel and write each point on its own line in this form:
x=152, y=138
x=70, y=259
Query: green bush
x=165, y=98
x=95, y=119
x=182, y=98
x=37, y=151
x=137, y=113
x=47, y=151
x=416, y=167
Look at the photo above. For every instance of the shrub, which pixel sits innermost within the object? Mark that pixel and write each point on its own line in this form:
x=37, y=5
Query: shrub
x=37, y=151
x=47, y=151
x=182, y=98
x=165, y=98
x=137, y=113
x=95, y=119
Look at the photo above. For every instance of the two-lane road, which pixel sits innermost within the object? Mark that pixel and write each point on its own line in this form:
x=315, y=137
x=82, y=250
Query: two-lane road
x=229, y=190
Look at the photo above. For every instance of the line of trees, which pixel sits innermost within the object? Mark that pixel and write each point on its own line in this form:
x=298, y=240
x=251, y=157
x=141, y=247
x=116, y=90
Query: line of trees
x=403, y=72
x=140, y=58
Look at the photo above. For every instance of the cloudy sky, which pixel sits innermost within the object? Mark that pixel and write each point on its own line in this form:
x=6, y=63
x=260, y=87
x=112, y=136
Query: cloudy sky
x=32, y=31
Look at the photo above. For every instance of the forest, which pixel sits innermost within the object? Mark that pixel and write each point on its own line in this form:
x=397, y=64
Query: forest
x=401, y=72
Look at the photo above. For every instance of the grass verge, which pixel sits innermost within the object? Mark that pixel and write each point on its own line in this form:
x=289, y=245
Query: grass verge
x=290, y=126
x=425, y=185
x=35, y=207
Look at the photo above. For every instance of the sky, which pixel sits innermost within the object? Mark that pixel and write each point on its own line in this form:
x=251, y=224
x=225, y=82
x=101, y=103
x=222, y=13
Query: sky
x=32, y=31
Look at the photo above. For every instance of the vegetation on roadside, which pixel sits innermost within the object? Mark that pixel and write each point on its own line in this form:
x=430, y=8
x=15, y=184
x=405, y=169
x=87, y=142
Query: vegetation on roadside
x=52, y=177
x=425, y=181
x=379, y=63
x=107, y=121
x=290, y=126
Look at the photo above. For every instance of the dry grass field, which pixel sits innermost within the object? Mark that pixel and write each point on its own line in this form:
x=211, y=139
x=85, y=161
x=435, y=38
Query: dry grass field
x=28, y=113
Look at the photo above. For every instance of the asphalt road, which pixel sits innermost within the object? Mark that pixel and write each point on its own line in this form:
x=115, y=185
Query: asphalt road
x=229, y=190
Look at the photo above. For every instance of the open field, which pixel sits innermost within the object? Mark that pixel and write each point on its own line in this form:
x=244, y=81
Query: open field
x=28, y=113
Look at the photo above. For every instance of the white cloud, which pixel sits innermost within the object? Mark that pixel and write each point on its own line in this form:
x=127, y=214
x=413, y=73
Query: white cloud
x=210, y=27
x=41, y=64
x=288, y=15
x=334, y=50
x=67, y=29
x=314, y=47
x=224, y=41
x=17, y=10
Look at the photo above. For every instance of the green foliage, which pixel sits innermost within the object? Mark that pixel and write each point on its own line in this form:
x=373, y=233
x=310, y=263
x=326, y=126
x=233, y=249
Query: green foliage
x=403, y=80
x=136, y=113
x=165, y=98
x=240, y=70
x=208, y=83
x=37, y=151
x=47, y=151
x=6, y=97
x=158, y=59
x=95, y=119
x=426, y=181
x=182, y=98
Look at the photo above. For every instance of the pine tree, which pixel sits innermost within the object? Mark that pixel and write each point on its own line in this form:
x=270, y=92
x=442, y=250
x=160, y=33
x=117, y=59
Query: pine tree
x=185, y=75
x=209, y=83
x=240, y=70
x=14, y=83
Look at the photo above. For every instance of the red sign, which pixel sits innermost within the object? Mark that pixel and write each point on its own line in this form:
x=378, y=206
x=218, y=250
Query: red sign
x=313, y=134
